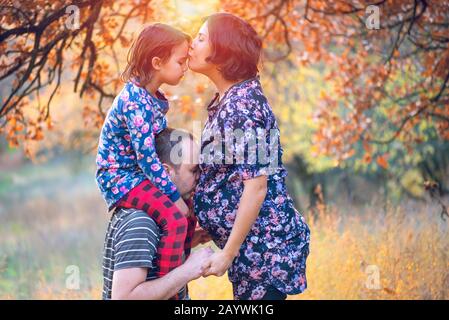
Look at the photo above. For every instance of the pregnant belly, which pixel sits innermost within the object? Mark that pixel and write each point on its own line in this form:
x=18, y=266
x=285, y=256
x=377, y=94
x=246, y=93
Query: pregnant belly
x=218, y=224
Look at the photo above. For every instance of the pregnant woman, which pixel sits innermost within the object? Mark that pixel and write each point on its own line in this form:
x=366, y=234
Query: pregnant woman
x=241, y=198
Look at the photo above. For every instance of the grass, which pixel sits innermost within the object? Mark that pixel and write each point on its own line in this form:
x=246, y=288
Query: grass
x=44, y=233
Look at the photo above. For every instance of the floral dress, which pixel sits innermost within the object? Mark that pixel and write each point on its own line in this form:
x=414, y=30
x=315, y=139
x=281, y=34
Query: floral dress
x=275, y=251
x=126, y=151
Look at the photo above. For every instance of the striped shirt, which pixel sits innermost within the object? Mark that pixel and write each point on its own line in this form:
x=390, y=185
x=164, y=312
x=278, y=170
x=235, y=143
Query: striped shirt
x=131, y=242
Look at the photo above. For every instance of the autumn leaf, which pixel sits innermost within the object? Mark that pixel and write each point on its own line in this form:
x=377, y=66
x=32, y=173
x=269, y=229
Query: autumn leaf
x=382, y=161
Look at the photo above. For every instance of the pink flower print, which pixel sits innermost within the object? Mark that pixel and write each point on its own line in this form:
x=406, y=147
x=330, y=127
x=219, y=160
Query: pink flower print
x=221, y=231
x=155, y=127
x=114, y=190
x=148, y=142
x=145, y=128
x=121, y=147
x=127, y=137
x=246, y=175
x=240, y=105
x=138, y=121
x=125, y=96
x=163, y=183
x=258, y=293
x=158, y=180
x=278, y=273
x=241, y=92
x=241, y=289
x=155, y=167
x=132, y=106
x=255, y=274
x=111, y=159
x=123, y=189
x=279, y=200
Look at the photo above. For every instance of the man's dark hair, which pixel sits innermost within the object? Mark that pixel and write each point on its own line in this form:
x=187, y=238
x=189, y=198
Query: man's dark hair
x=166, y=140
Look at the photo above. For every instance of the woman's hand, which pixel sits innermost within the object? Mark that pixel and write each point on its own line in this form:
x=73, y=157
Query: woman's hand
x=217, y=264
x=200, y=237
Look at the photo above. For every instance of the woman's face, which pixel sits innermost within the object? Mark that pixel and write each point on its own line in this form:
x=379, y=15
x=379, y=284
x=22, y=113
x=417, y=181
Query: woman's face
x=199, y=51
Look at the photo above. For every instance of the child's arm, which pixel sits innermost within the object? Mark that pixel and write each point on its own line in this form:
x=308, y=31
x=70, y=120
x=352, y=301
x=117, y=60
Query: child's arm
x=254, y=193
x=139, y=122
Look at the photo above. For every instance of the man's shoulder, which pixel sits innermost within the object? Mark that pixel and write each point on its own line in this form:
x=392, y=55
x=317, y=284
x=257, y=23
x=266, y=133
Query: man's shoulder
x=134, y=240
x=129, y=219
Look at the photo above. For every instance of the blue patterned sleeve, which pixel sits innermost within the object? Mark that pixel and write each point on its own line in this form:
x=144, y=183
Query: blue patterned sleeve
x=251, y=143
x=139, y=122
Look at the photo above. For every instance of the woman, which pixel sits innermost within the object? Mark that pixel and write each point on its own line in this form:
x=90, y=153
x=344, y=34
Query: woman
x=241, y=199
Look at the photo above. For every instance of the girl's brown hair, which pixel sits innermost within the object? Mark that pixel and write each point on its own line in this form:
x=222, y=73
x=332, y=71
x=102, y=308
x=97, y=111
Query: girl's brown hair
x=155, y=40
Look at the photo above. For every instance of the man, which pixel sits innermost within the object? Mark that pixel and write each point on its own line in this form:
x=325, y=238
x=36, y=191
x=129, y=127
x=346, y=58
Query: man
x=130, y=260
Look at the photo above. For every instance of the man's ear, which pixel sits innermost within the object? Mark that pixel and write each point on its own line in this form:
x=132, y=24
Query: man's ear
x=156, y=62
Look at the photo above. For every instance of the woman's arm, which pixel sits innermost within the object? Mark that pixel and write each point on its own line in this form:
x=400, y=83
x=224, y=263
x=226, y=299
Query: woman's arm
x=253, y=195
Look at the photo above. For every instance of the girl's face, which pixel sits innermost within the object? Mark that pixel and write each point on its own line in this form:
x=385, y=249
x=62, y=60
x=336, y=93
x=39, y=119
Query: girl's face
x=199, y=51
x=172, y=70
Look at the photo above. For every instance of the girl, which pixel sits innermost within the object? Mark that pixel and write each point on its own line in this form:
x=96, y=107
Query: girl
x=240, y=200
x=129, y=173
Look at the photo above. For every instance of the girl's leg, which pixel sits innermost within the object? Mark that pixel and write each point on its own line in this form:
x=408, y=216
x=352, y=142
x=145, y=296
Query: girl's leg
x=172, y=222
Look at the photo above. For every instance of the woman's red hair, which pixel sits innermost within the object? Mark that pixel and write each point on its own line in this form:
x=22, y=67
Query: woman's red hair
x=236, y=46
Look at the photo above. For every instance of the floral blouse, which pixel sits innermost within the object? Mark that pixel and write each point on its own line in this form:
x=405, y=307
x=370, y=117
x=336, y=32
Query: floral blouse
x=126, y=151
x=275, y=250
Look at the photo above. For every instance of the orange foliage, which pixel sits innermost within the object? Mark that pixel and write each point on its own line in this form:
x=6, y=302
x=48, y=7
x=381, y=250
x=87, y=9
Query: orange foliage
x=403, y=65
x=400, y=70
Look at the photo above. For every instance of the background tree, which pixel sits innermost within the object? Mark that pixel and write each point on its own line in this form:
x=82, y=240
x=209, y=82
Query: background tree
x=400, y=69
x=40, y=41
x=348, y=92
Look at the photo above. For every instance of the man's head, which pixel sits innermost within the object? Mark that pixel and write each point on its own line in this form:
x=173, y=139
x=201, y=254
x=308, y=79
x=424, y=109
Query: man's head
x=179, y=154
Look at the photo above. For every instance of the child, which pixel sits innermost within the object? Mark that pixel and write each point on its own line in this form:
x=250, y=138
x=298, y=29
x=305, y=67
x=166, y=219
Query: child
x=129, y=173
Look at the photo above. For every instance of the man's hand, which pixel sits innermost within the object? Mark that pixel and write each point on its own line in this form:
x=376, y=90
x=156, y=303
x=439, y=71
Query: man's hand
x=194, y=264
x=217, y=264
x=200, y=237
x=131, y=283
x=182, y=206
